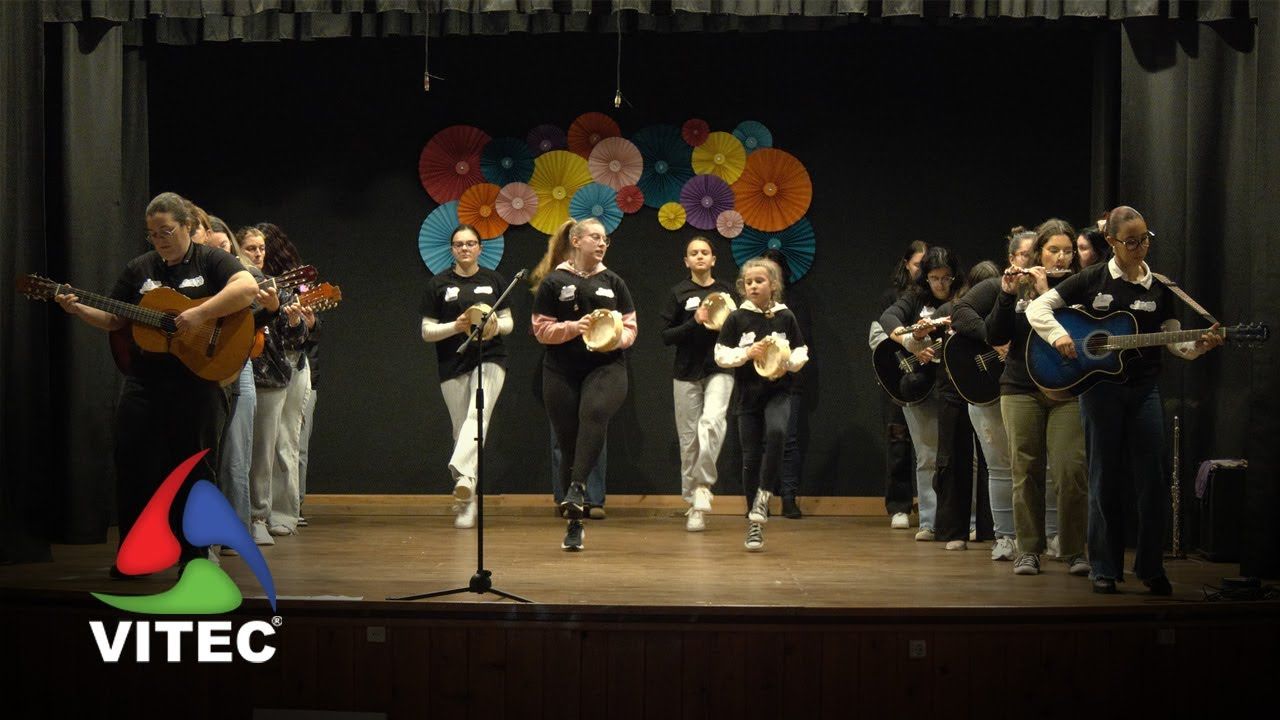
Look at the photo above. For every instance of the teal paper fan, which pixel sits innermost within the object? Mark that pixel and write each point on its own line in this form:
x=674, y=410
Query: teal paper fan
x=668, y=163
x=753, y=135
x=797, y=243
x=506, y=160
x=597, y=201
x=433, y=241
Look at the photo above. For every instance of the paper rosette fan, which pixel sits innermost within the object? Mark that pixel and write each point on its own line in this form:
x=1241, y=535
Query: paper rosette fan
x=516, y=203
x=667, y=165
x=544, y=139
x=478, y=208
x=671, y=216
x=588, y=130
x=630, y=199
x=557, y=175
x=729, y=224
x=436, y=233
x=615, y=162
x=704, y=198
x=721, y=155
x=753, y=135
x=450, y=162
x=506, y=160
x=597, y=201
x=797, y=244
x=774, y=190
x=695, y=132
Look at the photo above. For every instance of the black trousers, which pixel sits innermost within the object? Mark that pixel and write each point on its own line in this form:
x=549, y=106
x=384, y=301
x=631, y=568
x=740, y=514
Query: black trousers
x=953, y=479
x=792, y=456
x=160, y=422
x=900, y=468
x=763, y=436
x=580, y=405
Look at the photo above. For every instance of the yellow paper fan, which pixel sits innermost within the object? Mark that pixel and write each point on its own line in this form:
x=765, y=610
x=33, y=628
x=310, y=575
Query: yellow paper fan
x=721, y=155
x=557, y=175
x=671, y=216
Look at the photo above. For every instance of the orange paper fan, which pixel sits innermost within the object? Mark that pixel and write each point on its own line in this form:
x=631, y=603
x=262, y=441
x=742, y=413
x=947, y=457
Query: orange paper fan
x=478, y=207
x=774, y=190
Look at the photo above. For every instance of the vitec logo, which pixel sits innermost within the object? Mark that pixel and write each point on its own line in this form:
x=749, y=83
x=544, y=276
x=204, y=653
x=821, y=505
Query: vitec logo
x=203, y=588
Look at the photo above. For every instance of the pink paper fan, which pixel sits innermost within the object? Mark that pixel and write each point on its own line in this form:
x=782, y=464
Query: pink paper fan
x=615, y=162
x=695, y=132
x=630, y=199
x=517, y=203
x=704, y=197
x=729, y=223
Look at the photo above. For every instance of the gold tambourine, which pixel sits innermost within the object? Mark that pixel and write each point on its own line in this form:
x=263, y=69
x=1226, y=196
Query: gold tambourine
x=475, y=313
x=604, y=330
x=774, y=363
x=719, y=305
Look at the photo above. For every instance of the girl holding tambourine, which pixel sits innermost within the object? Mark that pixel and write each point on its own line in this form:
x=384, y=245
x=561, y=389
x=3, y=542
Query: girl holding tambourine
x=454, y=301
x=583, y=313
x=696, y=307
x=762, y=340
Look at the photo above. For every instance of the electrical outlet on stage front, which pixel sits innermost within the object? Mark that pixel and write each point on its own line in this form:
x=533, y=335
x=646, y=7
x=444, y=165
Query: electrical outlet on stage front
x=917, y=649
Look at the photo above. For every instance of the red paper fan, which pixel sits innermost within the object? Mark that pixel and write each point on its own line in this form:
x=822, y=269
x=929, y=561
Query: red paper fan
x=589, y=129
x=450, y=162
x=695, y=132
x=630, y=199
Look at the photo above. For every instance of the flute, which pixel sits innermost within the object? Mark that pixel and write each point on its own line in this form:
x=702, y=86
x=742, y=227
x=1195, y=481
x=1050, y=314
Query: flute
x=1055, y=272
x=927, y=324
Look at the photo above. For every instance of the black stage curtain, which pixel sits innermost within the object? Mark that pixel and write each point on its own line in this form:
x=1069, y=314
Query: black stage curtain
x=1198, y=150
x=185, y=22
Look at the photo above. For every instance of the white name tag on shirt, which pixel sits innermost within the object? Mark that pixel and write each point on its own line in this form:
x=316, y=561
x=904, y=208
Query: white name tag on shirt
x=692, y=303
x=451, y=294
x=927, y=312
x=192, y=282
x=148, y=286
x=748, y=338
x=1143, y=305
x=604, y=292
x=1102, y=301
x=1021, y=307
x=568, y=292
x=484, y=290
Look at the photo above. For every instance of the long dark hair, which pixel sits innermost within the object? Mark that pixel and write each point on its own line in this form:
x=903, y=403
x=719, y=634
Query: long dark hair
x=1098, y=241
x=901, y=276
x=282, y=256
x=935, y=258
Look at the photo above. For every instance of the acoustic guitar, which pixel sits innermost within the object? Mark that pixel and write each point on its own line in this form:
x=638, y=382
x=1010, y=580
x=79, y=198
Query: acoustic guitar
x=901, y=373
x=1104, y=344
x=974, y=367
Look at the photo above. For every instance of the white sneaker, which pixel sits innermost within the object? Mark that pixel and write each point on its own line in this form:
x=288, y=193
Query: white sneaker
x=261, y=536
x=1003, y=549
x=957, y=545
x=973, y=536
x=282, y=531
x=925, y=535
x=900, y=521
x=702, y=499
x=694, y=521
x=1054, y=547
x=1078, y=566
x=466, y=516
x=760, y=508
x=464, y=489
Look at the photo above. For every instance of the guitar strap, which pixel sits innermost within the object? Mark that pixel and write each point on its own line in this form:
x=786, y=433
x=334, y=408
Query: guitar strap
x=1185, y=297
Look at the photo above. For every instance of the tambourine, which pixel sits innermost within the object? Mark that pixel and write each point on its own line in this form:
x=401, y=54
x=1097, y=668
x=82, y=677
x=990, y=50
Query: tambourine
x=774, y=363
x=604, y=330
x=719, y=305
x=475, y=313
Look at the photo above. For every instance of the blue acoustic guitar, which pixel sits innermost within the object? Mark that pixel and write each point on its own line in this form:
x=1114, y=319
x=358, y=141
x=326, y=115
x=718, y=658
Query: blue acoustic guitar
x=1103, y=344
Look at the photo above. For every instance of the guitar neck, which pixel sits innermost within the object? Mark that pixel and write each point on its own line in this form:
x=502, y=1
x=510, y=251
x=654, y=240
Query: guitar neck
x=1126, y=342
x=129, y=311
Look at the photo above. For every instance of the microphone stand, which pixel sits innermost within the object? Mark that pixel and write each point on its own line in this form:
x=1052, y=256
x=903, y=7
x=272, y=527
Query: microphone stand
x=482, y=581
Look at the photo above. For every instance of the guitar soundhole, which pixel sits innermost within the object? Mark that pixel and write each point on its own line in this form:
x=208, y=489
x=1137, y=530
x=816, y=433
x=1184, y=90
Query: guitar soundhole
x=168, y=325
x=1095, y=345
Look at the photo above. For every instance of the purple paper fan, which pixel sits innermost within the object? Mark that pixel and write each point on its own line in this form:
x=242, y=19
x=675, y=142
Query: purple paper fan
x=545, y=138
x=704, y=197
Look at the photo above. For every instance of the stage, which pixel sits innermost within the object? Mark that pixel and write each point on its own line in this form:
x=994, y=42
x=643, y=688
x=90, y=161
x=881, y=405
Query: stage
x=839, y=616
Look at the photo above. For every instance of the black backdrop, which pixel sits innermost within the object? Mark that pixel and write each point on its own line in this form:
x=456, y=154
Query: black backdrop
x=946, y=136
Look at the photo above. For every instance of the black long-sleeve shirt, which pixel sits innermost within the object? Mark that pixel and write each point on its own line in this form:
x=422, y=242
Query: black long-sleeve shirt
x=695, y=344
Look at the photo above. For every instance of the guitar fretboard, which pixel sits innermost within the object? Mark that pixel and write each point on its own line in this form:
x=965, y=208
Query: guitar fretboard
x=1125, y=342
x=135, y=313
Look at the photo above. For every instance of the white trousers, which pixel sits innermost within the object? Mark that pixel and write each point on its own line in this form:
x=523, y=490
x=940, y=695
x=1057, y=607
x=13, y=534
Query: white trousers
x=277, y=434
x=701, y=406
x=460, y=397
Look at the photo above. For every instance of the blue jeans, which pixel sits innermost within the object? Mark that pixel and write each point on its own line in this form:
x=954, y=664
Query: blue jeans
x=1124, y=441
x=595, y=481
x=237, y=447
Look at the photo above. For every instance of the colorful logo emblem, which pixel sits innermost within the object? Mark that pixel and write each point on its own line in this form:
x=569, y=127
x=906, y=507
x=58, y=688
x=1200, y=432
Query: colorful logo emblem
x=207, y=519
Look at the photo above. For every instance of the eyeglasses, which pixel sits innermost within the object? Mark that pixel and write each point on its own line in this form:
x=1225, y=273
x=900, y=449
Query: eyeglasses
x=941, y=280
x=468, y=244
x=598, y=238
x=163, y=234
x=1066, y=252
x=1135, y=243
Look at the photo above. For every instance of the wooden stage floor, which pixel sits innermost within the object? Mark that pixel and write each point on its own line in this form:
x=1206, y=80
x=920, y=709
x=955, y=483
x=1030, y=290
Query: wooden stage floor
x=641, y=559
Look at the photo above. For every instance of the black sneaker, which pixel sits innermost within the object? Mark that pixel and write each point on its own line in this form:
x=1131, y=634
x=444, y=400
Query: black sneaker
x=755, y=537
x=573, y=536
x=790, y=509
x=1159, y=586
x=573, y=502
x=1104, y=586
